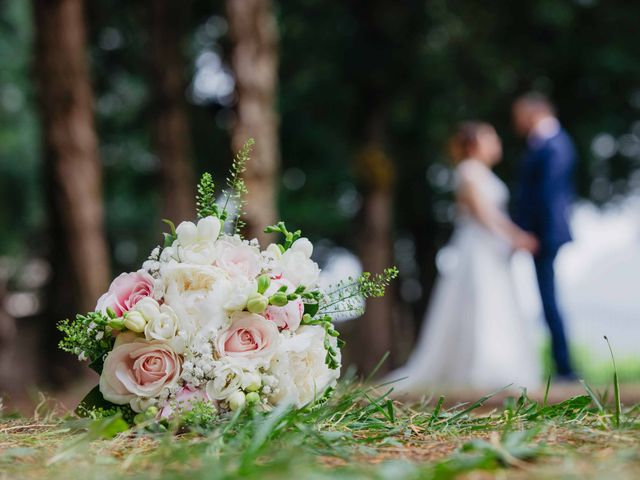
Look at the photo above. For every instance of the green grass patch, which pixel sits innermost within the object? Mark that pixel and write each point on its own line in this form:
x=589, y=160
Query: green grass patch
x=359, y=433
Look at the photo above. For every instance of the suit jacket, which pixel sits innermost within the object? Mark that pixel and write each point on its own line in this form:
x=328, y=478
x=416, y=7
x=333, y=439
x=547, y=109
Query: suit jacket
x=546, y=190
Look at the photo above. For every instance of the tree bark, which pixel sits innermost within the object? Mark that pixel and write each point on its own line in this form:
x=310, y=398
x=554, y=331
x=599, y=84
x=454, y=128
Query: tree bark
x=254, y=59
x=79, y=254
x=377, y=176
x=171, y=129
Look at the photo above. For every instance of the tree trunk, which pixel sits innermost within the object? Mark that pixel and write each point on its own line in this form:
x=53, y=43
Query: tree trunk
x=72, y=167
x=171, y=129
x=377, y=176
x=254, y=58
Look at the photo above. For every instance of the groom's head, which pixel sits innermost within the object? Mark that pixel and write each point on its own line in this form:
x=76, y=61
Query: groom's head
x=528, y=110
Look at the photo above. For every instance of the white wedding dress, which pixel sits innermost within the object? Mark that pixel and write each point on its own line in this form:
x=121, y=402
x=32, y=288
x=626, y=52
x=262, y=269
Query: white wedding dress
x=474, y=336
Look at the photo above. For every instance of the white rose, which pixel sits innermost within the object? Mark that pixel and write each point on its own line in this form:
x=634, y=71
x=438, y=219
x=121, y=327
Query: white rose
x=238, y=258
x=227, y=378
x=163, y=326
x=197, y=294
x=300, y=369
x=162, y=323
x=296, y=267
x=197, y=244
x=303, y=245
x=241, y=289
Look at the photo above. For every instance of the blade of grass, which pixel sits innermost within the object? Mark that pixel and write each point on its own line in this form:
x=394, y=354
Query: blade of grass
x=593, y=396
x=436, y=410
x=473, y=406
x=377, y=367
x=546, y=392
x=616, y=386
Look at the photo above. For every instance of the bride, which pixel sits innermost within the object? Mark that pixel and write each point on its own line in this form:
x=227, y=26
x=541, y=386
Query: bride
x=474, y=334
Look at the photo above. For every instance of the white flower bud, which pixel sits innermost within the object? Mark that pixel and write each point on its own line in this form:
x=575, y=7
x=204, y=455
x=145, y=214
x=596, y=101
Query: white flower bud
x=208, y=229
x=236, y=400
x=116, y=323
x=257, y=303
x=304, y=246
x=148, y=307
x=274, y=251
x=186, y=233
x=134, y=321
x=251, y=382
x=253, y=398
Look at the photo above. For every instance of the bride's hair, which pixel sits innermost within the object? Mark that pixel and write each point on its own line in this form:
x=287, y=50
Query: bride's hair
x=465, y=139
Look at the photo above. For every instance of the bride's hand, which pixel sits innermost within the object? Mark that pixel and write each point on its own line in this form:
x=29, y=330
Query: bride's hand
x=526, y=241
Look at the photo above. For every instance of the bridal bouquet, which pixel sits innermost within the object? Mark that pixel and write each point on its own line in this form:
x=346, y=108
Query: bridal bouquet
x=212, y=320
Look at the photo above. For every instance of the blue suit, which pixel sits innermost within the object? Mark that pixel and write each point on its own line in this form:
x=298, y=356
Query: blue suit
x=543, y=200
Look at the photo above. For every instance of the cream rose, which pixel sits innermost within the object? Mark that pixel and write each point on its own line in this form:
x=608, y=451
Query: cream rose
x=300, y=369
x=198, y=295
x=138, y=368
x=249, y=340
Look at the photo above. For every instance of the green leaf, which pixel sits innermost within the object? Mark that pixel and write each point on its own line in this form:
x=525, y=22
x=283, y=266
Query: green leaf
x=311, y=308
x=91, y=401
x=171, y=226
x=168, y=239
x=97, y=365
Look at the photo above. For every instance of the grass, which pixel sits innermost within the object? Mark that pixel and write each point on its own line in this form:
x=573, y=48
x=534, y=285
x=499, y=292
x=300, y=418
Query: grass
x=359, y=433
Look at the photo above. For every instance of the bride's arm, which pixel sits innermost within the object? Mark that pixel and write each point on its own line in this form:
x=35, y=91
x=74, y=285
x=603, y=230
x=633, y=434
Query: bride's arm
x=493, y=218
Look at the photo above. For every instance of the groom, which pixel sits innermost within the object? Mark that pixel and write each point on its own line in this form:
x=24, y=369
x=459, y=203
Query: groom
x=543, y=199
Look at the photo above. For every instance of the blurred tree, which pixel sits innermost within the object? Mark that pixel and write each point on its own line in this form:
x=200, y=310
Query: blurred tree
x=171, y=128
x=73, y=171
x=254, y=58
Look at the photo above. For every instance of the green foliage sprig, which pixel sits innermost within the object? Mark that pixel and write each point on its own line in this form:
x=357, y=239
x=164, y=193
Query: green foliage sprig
x=206, y=203
x=206, y=199
x=347, y=298
x=331, y=359
x=289, y=237
x=236, y=187
x=200, y=415
x=88, y=336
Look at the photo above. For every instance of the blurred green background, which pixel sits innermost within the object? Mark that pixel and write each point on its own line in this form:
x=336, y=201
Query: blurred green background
x=352, y=76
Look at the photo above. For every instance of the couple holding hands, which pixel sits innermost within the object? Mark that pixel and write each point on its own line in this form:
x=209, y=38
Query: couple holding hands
x=474, y=333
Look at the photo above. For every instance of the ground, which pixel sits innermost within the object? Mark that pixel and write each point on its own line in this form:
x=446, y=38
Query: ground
x=359, y=433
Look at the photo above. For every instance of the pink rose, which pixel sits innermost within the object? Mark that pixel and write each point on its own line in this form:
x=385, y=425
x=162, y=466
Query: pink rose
x=238, y=258
x=249, y=339
x=125, y=291
x=138, y=368
x=185, y=398
x=289, y=316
